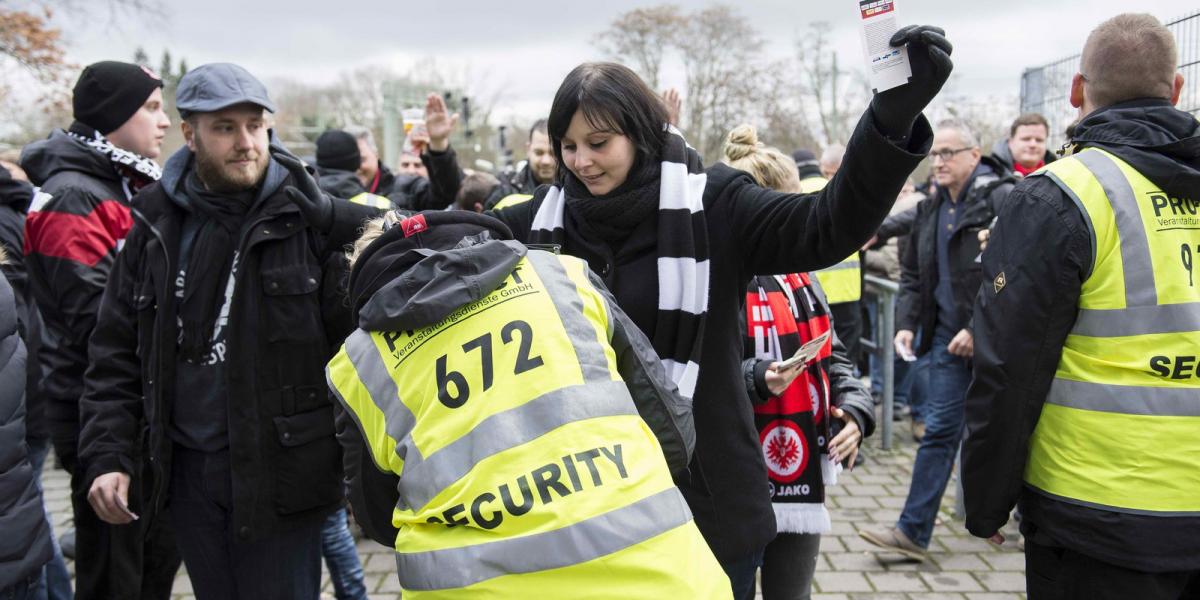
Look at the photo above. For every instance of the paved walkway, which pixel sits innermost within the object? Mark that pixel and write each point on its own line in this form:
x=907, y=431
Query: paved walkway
x=962, y=567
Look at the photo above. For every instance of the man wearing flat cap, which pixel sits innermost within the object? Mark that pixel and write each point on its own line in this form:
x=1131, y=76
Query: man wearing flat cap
x=215, y=326
x=87, y=174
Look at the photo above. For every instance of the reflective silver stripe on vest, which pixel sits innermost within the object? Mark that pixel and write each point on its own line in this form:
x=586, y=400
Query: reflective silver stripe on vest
x=1125, y=399
x=424, y=479
x=587, y=540
x=377, y=379
x=1135, y=249
x=1139, y=320
x=569, y=305
x=843, y=266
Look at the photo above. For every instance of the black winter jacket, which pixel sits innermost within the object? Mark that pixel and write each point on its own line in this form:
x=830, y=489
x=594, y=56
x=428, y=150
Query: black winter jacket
x=72, y=236
x=917, y=307
x=417, y=193
x=1042, y=245
x=15, y=199
x=339, y=183
x=751, y=230
x=25, y=544
x=285, y=319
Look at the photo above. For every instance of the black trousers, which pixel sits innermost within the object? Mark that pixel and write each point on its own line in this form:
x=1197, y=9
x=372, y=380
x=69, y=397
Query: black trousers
x=122, y=562
x=283, y=566
x=848, y=323
x=788, y=566
x=1056, y=573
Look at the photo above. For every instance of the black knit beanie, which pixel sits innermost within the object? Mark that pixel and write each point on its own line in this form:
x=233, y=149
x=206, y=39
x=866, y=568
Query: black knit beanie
x=109, y=92
x=338, y=150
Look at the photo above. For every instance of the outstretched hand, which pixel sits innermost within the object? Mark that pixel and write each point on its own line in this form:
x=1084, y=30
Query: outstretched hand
x=929, y=55
x=439, y=123
x=314, y=204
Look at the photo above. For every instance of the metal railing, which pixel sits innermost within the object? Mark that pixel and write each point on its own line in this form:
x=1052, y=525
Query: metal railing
x=1046, y=89
x=883, y=292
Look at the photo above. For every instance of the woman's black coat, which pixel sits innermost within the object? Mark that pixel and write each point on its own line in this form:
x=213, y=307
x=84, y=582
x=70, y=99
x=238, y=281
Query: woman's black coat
x=751, y=230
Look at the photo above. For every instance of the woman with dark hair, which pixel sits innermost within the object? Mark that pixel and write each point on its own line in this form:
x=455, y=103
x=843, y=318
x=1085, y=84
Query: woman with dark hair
x=677, y=246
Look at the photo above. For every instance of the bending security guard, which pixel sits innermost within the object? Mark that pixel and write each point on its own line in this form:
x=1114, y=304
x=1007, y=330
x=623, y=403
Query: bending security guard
x=514, y=434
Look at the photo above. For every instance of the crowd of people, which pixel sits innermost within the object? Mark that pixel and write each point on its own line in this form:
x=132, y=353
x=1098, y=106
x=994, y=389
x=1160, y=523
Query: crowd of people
x=617, y=371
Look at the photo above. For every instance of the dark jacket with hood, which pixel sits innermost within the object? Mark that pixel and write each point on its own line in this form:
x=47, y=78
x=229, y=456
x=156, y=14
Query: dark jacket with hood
x=405, y=283
x=15, y=199
x=25, y=545
x=72, y=236
x=1043, y=246
x=520, y=182
x=339, y=183
x=284, y=321
x=917, y=309
x=751, y=230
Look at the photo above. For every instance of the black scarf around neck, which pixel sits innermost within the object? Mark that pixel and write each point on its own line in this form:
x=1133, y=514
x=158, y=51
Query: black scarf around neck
x=681, y=246
x=616, y=214
x=209, y=263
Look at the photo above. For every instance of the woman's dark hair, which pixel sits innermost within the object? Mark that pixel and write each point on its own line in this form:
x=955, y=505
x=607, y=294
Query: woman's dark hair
x=612, y=98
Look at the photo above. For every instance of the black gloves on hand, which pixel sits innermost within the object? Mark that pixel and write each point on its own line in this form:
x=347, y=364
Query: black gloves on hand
x=315, y=205
x=929, y=55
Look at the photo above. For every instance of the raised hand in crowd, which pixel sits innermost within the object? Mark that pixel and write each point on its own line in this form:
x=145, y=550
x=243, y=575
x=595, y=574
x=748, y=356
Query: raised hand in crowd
x=674, y=105
x=439, y=123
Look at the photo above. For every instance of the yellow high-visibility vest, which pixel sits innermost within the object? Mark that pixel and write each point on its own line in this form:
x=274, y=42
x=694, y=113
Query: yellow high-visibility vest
x=372, y=200
x=512, y=200
x=812, y=183
x=842, y=282
x=1120, y=429
x=524, y=468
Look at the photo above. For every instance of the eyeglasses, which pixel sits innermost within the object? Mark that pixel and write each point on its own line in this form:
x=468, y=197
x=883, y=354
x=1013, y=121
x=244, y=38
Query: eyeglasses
x=946, y=155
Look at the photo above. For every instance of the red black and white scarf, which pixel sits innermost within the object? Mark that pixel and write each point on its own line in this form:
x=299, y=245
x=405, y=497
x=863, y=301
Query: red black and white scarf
x=782, y=313
x=682, y=257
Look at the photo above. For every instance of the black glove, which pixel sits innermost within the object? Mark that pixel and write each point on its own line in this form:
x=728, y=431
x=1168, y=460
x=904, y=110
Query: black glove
x=929, y=55
x=315, y=205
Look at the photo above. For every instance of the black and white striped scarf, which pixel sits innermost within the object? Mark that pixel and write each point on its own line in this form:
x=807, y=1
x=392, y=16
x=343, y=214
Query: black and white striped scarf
x=682, y=257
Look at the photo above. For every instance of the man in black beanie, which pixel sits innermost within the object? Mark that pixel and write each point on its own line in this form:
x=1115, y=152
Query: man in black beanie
x=87, y=174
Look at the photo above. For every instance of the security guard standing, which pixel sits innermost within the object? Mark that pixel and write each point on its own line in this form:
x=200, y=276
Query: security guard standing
x=842, y=282
x=509, y=423
x=1086, y=399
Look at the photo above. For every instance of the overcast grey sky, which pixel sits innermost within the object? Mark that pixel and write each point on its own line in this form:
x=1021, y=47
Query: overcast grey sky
x=527, y=47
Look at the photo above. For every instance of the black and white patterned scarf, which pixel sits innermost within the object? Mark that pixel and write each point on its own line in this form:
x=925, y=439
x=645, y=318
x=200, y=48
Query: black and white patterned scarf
x=136, y=170
x=682, y=257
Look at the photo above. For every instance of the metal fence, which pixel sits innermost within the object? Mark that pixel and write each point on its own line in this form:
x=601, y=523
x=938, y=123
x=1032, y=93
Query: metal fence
x=883, y=293
x=1046, y=89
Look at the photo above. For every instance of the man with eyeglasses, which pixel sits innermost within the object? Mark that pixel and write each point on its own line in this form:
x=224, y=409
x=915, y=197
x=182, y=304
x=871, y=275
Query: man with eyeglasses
x=939, y=281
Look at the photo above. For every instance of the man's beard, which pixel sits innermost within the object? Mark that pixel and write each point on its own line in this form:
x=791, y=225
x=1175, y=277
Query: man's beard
x=212, y=171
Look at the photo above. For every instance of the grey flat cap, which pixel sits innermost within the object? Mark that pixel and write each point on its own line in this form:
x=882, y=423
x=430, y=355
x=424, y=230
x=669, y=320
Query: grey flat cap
x=212, y=87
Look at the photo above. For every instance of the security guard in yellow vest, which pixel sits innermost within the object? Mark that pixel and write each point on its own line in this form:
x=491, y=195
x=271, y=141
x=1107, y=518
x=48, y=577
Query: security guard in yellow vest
x=507, y=429
x=1085, y=402
x=842, y=282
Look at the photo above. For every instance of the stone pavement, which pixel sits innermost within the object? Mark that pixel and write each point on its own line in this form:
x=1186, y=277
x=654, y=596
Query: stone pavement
x=962, y=567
